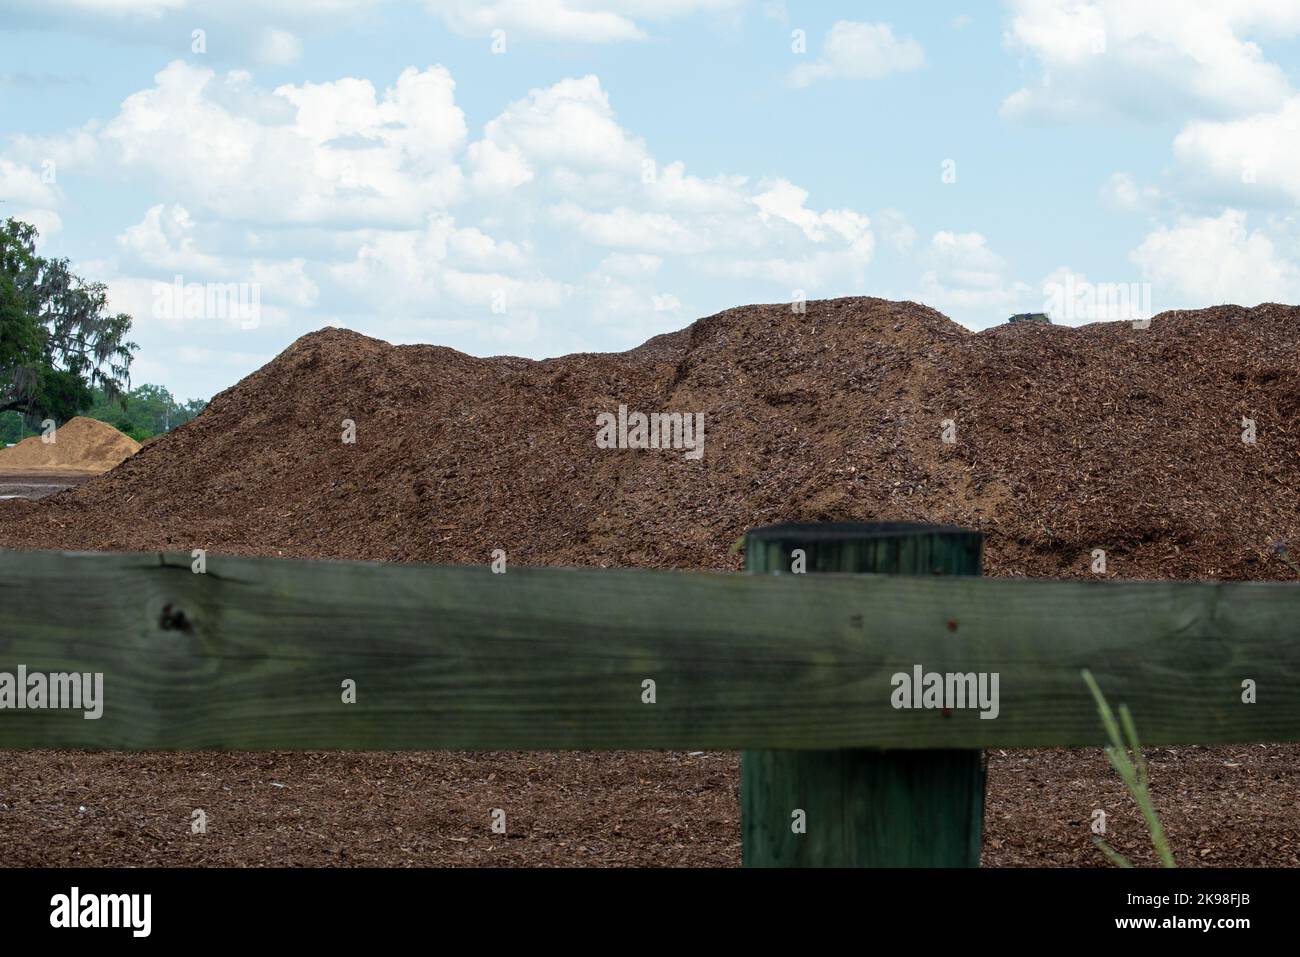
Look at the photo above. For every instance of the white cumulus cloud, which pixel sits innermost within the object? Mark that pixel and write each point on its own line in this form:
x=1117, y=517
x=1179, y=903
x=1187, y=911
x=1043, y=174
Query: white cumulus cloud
x=319, y=152
x=588, y=21
x=1257, y=154
x=1107, y=58
x=1123, y=193
x=1207, y=260
x=854, y=50
x=967, y=279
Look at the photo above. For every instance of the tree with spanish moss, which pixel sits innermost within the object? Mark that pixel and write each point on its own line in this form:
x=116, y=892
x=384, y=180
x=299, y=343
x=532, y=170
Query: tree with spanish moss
x=58, y=337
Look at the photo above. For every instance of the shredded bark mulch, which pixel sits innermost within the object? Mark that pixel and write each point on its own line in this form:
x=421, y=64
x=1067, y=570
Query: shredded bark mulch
x=1066, y=440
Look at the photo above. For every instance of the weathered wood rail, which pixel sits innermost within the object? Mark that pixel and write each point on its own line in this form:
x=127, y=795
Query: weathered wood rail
x=252, y=655
x=797, y=670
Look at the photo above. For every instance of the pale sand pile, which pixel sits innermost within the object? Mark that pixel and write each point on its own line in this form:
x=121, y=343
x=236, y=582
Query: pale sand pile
x=80, y=445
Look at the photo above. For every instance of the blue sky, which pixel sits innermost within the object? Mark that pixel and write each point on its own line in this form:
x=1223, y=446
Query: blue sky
x=552, y=176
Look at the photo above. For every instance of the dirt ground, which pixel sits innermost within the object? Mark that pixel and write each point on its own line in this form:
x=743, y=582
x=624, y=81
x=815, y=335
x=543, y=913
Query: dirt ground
x=1069, y=439
x=1222, y=807
x=37, y=485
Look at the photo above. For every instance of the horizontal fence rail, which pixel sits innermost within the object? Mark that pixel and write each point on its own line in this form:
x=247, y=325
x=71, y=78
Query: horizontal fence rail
x=254, y=653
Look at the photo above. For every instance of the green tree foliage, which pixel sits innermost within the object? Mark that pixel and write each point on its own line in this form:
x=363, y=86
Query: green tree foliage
x=58, y=341
x=144, y=412
x=18, y=340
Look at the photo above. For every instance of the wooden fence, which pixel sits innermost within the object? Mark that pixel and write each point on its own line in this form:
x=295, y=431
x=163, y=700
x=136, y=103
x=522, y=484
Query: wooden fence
x=256, y=653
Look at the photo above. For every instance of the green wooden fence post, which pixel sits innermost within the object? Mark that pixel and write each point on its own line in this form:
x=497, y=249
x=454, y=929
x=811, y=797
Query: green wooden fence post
x=863, y=808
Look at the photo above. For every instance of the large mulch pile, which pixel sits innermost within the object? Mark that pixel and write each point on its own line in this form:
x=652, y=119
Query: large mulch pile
x=79, y=445
x=1067, y=440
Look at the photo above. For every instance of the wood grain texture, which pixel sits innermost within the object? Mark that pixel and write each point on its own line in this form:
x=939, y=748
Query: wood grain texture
x=860, y=807
x=252, y=656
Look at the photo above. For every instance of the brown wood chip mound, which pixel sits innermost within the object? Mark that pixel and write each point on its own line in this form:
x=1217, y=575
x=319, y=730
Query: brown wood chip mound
x=1067, y=440
x=79, y=445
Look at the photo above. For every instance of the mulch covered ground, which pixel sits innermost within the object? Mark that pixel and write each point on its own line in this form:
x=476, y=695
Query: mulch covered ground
x=1068, y=440
x=1222, y=806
